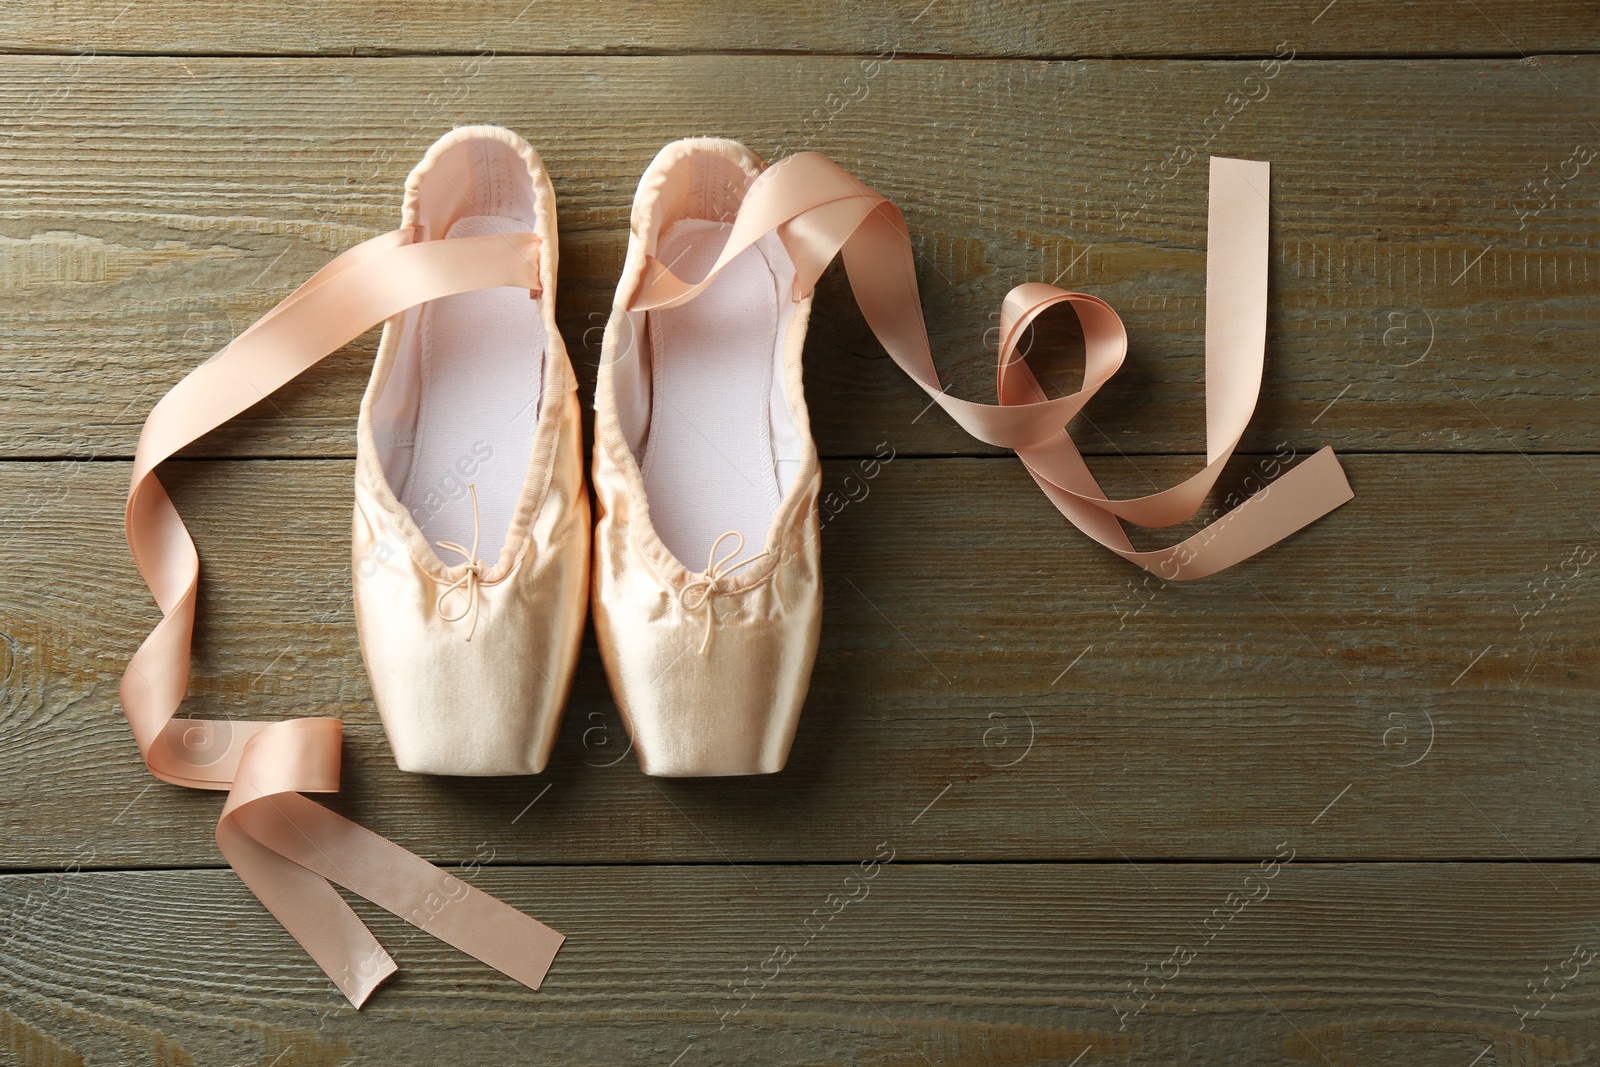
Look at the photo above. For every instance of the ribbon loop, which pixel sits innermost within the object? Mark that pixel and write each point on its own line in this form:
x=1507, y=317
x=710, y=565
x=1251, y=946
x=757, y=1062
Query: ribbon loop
x=287, y=848
x=818, y=211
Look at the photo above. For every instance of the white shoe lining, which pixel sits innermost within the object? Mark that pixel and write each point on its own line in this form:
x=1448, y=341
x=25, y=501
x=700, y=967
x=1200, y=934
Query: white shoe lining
x=709, y=463
x=482, y=379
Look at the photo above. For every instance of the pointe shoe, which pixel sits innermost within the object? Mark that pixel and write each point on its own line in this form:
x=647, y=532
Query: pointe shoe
x=702, y=442
x=707, y=576
x=471, y=541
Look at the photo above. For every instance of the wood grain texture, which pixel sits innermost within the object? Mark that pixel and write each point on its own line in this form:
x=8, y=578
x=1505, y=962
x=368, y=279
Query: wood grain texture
x=1117, y=29
x=1080, y=773
x=1423, y=965
x=1422, y=664
x=1435, y=278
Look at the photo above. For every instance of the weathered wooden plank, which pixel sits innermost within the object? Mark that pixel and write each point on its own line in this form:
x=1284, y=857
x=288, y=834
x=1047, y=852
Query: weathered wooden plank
x=1424, y=661
x=973, y=964
x=1438, y=296
x=1019, y=28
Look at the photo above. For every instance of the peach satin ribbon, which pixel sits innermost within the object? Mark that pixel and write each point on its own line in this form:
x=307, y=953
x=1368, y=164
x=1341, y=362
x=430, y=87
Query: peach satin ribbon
x=284, y=846
x=818, y=210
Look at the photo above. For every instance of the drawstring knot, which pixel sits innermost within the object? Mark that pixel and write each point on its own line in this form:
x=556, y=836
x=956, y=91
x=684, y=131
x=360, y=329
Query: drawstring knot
x=699, y=593
x=471, y=580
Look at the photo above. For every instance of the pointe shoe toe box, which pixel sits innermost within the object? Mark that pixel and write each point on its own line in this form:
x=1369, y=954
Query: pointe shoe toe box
x=702, y=703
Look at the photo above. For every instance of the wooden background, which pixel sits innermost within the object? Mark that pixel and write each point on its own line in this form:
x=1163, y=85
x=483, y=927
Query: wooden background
x=1075, y=769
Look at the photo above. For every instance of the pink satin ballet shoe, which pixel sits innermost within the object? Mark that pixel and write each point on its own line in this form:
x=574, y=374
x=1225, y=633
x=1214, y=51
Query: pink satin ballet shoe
x=471, y=521
x=703, y=448
x=707, y=583
x=469, y=661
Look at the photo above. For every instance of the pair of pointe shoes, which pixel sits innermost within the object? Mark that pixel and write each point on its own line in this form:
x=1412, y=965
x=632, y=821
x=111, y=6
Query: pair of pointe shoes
x=472, y=544
x=473, y=555
x=473, y=560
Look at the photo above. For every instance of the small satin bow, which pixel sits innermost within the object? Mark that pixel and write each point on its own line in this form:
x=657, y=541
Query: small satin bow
x=699, y=593
x=471, y=579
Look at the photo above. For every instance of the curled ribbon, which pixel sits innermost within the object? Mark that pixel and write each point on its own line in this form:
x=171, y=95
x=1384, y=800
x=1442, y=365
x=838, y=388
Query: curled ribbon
x=698, y=593
x=818, y=210
x=288, y=849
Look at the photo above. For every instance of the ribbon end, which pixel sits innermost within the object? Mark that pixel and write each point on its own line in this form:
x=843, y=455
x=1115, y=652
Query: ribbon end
x=1338, y=482
x=367, y=984
x=542, y=955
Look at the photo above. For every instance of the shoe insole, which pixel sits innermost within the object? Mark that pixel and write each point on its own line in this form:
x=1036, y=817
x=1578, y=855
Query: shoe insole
x=482, y=368
x=708, y=461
